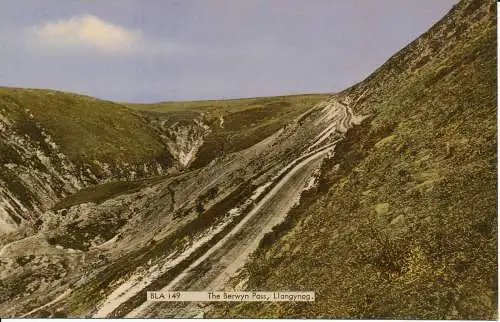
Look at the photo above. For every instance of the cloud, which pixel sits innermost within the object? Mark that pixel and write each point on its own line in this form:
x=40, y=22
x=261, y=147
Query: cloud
x=81, y=35
x=86, y=32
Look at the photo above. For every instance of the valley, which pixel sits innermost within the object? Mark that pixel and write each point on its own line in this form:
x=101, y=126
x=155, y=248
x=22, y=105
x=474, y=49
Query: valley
x=381, y=198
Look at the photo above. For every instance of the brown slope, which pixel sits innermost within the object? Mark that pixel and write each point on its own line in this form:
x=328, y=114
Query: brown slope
x=407, y=225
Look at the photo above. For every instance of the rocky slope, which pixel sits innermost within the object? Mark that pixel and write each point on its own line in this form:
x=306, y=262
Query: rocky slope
x=122, y=225
x=183, y=134
x=233, y=125
x=53, y=144
x=404, y=221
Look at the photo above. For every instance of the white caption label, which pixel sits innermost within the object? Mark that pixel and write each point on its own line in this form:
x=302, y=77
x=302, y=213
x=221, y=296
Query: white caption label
x=178, y=296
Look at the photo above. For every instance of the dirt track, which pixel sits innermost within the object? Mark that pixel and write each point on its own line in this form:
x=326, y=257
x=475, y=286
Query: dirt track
x=217, y=257
x=211, y=271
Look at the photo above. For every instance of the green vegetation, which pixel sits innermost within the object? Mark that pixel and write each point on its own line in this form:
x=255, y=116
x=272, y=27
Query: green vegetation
x=225, y=106
x=88, y=130
x=85, y=128
x=407, y=226
x=103, y=192
x=246, y=121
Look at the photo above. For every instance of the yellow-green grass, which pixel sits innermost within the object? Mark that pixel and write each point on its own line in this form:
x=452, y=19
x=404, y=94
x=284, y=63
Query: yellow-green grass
x=246, y=121
x=85, y=128
x=406, y=226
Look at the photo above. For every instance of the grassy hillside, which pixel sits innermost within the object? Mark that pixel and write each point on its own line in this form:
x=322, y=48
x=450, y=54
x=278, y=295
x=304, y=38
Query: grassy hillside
x=407, y=225
x=225, y=106
x=245, y=121
x=85, y=128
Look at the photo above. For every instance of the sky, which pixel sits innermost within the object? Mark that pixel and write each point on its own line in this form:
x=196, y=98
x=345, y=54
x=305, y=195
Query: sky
x=162, y=50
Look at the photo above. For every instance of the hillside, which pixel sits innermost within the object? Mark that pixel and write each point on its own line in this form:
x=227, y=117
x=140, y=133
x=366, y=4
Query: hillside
x=85, y=128
x=219, y=127
x=96, y=194
x=404, y=221
x=53, y=144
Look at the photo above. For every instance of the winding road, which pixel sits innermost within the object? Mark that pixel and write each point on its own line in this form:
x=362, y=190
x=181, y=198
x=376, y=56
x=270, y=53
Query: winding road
x=212, y=269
